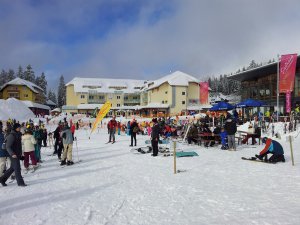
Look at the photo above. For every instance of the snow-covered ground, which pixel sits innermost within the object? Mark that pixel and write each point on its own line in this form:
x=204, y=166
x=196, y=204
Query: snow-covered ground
x=112, y=185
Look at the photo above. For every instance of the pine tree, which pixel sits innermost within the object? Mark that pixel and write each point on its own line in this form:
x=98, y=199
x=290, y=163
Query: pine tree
x=29, y=74
x=52, y=96
x=20, y=73
x=61, y=93
x=42, y=82
x=3, y=77
x=252, y=64
x=10, y=75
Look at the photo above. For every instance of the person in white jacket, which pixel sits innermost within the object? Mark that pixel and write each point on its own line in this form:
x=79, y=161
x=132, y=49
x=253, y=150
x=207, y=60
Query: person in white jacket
x=28, y=142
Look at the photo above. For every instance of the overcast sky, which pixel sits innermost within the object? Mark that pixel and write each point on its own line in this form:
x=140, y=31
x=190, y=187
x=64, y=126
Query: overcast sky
x=144, y=39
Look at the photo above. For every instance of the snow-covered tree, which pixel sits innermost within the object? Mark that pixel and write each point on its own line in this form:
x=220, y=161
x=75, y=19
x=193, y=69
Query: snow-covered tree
x=29, y=74
x=61, y=93
x=52, y=96
x=3, y=77
x=42, y=82
x=10, y=75
x=20, y=72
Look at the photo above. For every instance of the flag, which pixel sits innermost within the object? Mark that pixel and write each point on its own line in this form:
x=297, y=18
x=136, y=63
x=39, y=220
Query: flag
x=287, y=73
x=288, y=102
x=203, y=92
x=102, y=113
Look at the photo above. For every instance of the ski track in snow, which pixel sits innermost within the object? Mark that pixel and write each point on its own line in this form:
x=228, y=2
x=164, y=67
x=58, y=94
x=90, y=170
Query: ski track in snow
x=112, y=186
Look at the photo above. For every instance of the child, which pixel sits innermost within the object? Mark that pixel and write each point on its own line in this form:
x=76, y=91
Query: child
x=223, y=135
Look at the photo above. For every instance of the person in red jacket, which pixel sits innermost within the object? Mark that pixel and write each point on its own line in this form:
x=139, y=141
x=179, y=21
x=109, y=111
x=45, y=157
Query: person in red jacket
x=112, y=125
x=73, y=128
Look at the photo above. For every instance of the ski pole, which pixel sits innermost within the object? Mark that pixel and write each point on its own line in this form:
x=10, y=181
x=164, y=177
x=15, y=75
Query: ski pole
x=77, y=149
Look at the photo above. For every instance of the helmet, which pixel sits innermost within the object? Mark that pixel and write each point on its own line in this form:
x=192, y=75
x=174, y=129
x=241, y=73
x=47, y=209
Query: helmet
x=264, y=140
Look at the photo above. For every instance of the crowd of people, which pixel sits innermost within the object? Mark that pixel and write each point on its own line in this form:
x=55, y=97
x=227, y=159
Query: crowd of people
x=24, y=141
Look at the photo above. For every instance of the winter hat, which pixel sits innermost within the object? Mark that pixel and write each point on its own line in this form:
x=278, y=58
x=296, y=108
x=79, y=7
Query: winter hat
x=264, y=140
x=16, y=126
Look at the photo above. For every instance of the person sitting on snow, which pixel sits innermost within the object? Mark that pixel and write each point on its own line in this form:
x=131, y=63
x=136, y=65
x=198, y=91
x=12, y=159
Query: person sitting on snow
x=272, y=147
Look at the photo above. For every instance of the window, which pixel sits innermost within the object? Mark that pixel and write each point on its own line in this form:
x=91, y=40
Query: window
x=101, y=97
x=163, y=102
x=183, y=93
x=118, y=97
x=82, y=96
x=25, y=95
x=126, y=98
x=118, y=105
x=166, y=92
x=183, y=102
x=91, y=97
x=166, y=102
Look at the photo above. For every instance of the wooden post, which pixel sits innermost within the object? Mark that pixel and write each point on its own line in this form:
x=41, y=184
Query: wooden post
x=174, y=154
x=290, y=138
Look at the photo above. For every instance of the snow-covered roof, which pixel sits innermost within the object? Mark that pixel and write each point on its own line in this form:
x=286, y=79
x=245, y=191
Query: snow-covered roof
x=89, y=106
x=177, y=78
x=19, y=81
x=49, y=102
x=101, y=85
x=155, y=105
x=36, y=105
x=198, y=107
x=56, y=110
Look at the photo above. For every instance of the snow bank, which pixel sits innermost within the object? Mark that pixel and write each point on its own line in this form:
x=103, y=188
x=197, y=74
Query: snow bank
x=16, y=109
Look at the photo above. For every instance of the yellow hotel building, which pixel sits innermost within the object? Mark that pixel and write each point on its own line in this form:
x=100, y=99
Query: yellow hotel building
x=170, y=95
x=22, y=90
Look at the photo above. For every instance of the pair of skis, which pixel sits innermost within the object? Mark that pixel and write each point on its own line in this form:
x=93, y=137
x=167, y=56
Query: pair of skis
x=254, y=159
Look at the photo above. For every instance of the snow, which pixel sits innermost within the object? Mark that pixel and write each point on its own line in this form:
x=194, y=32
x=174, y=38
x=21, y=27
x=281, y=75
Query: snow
x=112, y=185
x=19, y=81
x=36, y=105
x=101, y=85
x=16, y=109
x=177, y=78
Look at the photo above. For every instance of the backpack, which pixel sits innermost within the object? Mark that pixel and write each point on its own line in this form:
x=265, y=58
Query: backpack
x=3, y=147
x=135, y=129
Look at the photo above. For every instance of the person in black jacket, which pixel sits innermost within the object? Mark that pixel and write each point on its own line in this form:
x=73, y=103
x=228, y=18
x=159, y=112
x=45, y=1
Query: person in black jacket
x=134, y=128
x=230, y=127
x=58, y=145
x=155, y=137
x=14, y=148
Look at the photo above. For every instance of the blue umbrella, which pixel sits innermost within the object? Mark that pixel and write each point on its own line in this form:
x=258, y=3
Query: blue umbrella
x=222, y=106
x=250, y=103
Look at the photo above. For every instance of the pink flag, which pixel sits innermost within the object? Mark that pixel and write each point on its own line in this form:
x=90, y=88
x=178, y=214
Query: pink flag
x=287, y=72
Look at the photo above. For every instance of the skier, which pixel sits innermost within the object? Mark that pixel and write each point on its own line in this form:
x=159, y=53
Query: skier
x=28, y=142
x=14, y=148
x=274, y=148
x=112, y=124
x=134, y=128
x=58, y=146
x=230, y=127
x=4, y=156
x=155, y=137
x=67, y=136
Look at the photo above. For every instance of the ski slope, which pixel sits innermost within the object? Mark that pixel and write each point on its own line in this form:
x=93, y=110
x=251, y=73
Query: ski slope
x=112, y=186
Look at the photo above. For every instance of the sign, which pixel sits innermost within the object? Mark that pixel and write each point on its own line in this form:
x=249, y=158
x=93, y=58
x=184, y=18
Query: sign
x=203, y=92
x=287, y=73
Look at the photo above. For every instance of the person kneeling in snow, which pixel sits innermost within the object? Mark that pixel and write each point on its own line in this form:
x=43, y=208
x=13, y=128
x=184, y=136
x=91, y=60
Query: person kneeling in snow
x=274, y=148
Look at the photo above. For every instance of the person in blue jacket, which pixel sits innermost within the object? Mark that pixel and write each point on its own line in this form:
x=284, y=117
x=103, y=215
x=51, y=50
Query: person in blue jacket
x=274, y=148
